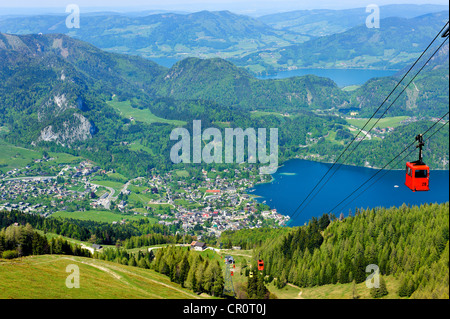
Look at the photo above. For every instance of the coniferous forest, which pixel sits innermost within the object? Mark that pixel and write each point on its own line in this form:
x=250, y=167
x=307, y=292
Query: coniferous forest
x=190, y=270
x=409, y=243
x=23, y=240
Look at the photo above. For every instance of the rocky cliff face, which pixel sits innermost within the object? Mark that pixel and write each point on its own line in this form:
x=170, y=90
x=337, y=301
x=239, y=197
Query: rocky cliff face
x=77, y=128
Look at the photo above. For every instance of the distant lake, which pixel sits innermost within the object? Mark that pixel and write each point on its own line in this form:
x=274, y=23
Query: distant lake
x=166, y=62
x=342, y=77
x=296, y=178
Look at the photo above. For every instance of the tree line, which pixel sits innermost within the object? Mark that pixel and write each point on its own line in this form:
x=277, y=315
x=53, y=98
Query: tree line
x=190, y=270
x=122, y=256
x=91, y=231
x=19, y=241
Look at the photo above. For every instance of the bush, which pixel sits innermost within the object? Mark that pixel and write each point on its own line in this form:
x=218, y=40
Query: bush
x=10, y=254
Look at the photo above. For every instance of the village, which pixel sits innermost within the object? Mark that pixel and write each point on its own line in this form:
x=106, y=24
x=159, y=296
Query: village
x=207, y=204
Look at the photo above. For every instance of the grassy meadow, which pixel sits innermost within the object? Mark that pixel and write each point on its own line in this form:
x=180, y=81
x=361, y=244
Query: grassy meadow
x=126, y=110
x=44, y=277
x=103, y=216
x=383, y=123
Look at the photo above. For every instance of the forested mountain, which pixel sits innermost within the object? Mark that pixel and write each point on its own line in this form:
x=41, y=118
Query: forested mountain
x=56, y=92
x=205, y=33
x=394, y=45
x=320, y=22
x=409, y=243
x=48, y=79
x=428, y=93
x=190, y=270
x=53, y=91
x=61, y=94
x=222, y=82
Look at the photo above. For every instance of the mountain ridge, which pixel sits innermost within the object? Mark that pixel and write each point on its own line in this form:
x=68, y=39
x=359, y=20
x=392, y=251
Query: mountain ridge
x=203, y=34
x=397, y=43
x=320, y=22
x=59, y=90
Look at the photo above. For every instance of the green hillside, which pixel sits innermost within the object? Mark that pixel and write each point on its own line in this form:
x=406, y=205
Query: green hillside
x=408, y=243
x=44, y=277
x=427, y=95
x=396, y=44
x=383, y=123
x=326, y=259
x=320, y=22
x=201, y=34
x=80, y=101
x=222, y=82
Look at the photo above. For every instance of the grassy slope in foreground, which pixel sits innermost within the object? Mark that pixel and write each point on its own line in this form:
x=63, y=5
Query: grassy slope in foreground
x=44, y=277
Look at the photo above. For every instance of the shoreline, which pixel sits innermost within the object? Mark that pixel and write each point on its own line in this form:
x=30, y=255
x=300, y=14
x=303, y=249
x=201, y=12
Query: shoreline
x=272, y=75
x=259, y=198
x=354, y=165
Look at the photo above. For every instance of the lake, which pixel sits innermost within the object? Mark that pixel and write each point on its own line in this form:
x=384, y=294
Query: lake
x=166, y=62
x=296, y=178
x=342, y=77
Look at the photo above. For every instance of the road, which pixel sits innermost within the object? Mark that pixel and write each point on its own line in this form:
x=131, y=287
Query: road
x=106, y=202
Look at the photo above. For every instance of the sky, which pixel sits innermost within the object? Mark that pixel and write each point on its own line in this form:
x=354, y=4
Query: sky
x=237, y=6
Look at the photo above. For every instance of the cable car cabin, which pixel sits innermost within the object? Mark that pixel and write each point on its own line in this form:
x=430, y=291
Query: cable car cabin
x=418, y=173
x=260, y=265
x=417, y=176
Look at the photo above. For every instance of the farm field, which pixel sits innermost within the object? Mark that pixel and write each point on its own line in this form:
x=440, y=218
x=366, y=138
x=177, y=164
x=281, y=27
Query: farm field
x=12, y=157
x=15, y=157
x=383, y=123
x=117, y=186
x=126, y=110
x=97, y=215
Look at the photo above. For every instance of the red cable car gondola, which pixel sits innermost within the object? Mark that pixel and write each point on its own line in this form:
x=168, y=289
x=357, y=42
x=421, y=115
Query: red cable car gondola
x=417, y=172
x=260, y=265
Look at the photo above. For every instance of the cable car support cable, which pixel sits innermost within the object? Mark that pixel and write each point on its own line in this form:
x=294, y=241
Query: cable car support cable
x=404, y=89
x=381, y=169
x=368, y=121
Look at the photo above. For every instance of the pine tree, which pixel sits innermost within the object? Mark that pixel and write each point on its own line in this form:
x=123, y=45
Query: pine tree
x=403, y=289
x=354, y=292
x=132, y=261
x=380, y=291
x=261, y=289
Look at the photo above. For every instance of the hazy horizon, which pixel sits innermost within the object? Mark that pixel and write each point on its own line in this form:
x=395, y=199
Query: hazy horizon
x=252, y=7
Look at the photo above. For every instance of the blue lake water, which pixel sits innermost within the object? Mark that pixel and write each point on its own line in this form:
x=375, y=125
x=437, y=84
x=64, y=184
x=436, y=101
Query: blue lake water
x=342, y=77
x=166, y=62
x=293, y=181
